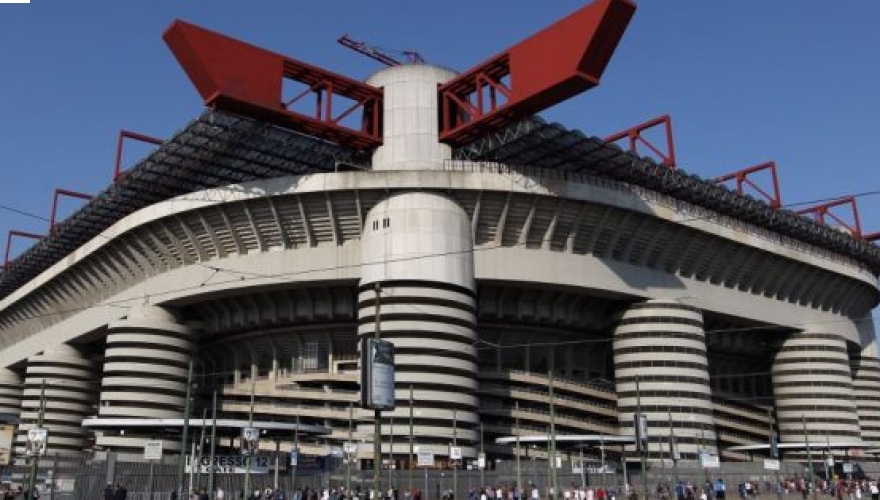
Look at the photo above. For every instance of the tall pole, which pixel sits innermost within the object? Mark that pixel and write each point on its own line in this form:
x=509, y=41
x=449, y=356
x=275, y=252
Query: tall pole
x=583, y=470
x=812, y=484
x=200, y=449
x=672, y=450
x=553, y=485
x=296, y=464
x=391, y=453
x=349, y=459
x=454, y=444
x=485, y=462
x=774, y=453
x=602, y=463
x=213, y=442
x=411, y=447
x=642, y=440
x=181, y=466
x=377, y=414
x=247, y=459
x=33, y=476
x=519, y=484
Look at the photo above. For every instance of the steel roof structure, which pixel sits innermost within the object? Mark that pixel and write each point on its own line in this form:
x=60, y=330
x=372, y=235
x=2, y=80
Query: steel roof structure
x=219, y=149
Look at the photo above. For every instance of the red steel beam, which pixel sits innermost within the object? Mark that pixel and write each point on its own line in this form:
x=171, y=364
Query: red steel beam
x=559, y=62
x=635, y=136
x=63, y=192
x=824, y=210
x=237, y=77
x=15, y=232
x=127, y=134
x=742, y=179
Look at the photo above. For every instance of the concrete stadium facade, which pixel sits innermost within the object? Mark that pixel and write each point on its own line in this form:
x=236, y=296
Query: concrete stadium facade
x=496, y=279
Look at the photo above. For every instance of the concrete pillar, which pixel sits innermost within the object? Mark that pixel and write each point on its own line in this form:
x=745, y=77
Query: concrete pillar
x=418, y=247
x=662, y=342
x=866, y=383
x=145, y=371
x=70, y=397
x=10, y=395
x=812, y=381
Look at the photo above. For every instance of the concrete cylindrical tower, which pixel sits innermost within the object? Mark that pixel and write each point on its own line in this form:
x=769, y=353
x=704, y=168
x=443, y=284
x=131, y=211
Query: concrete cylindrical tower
x=70, y=397
x=865, y=367
x=145, y=370
x=410, y=118
x=10, y=395
x=812, y=384
x=419, y=247
x=662, y=343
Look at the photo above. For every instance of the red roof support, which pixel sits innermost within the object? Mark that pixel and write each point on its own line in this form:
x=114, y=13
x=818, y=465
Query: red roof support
x=126, y=134
x=559, y=62
x=634, y=134
x=742, y=179
x=15, y=232
x=241, y=78
x=824, y=210
x=63, y=192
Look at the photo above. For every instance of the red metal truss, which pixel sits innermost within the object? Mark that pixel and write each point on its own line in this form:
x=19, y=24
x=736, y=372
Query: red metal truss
x=635, y=136
x=742, y=179
x=241, y=78
x=560, y=61
x=820, y=212
x=15, y=232
x=63, y=192
x=127, y=134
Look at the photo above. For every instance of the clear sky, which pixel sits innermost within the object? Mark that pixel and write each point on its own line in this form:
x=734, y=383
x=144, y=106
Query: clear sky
x=745, y=81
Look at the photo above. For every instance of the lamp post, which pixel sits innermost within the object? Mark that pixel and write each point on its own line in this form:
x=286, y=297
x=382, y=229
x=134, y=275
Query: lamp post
x=812, y=484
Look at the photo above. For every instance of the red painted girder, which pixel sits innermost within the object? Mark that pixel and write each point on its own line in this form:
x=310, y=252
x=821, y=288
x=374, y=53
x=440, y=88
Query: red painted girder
x=559, y=62
x=63, y=192
x=16, y=232
x=244, y=79
x=127, y=134
x=820, y=212
x=635, y=136
x=742, y=179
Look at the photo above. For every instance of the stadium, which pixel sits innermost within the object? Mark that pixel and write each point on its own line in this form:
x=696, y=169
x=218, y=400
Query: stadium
x=530, y=276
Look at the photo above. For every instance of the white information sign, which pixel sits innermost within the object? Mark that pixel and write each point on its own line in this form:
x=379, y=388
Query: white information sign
x=847, y=468
x=455, y=453
x=481, y=460
x=250, y=440
x=425, y=459
x=36, y=441
x=710, y=461
x=771, y=464
x=153, y=450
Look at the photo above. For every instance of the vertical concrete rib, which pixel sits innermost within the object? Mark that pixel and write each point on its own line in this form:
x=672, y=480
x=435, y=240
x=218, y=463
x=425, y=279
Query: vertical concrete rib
x=145, y=370
x=812, y=379
x=866, y=388
x=70, y=397
x=662, y=343
x=418, y=246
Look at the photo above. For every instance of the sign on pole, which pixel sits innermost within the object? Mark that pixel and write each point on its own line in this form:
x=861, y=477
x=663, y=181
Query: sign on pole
x=153, y=450
x=455, y=453
x=710, y=461
x=481, y=460
x=36, y=442
x=847, y=468
x=250, y=440
x=377, y=374
x=425, y=459
x=294, y=456
x=771, y=464
x=577, y=466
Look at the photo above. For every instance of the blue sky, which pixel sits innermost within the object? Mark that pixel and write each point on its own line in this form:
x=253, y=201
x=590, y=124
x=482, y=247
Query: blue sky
x=745, y=81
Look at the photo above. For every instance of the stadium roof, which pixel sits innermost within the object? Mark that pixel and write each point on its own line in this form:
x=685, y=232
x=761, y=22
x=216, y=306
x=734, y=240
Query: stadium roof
x=219, y=149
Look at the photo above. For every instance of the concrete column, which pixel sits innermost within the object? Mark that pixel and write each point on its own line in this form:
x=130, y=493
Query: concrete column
x=418, y=247
x=812, y=379
x=70, y=397
x=662, y=342
x=866, y=382
x=145, y=371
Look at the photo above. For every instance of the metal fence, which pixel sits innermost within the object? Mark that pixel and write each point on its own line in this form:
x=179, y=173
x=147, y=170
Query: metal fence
x=85, y=477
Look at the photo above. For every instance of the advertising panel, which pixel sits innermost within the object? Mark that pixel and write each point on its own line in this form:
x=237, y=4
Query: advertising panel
x=377, y=374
